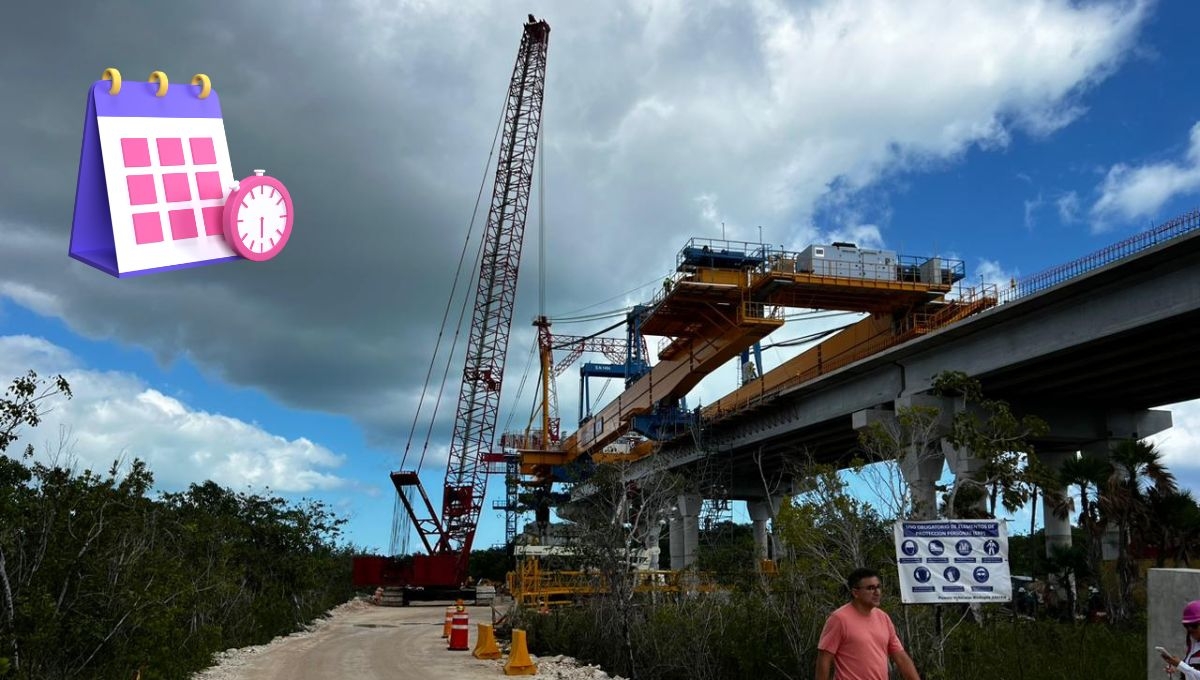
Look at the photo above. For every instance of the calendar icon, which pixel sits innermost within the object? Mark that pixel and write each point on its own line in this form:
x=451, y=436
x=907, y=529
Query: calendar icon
x=154, y=174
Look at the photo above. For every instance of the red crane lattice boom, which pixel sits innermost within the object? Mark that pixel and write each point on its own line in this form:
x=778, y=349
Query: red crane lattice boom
x=448, y=539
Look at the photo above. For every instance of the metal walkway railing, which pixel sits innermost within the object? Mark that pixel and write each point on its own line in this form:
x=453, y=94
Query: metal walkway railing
x=1184, y=224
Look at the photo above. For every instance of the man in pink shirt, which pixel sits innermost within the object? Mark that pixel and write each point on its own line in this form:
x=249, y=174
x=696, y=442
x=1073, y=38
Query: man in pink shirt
x=859, y=636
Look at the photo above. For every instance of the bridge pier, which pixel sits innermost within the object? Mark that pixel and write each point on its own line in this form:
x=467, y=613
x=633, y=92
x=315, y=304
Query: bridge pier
x=1058, y=529
x=761, y=511
x=675, y=535
x=922, y=467
x=685, y=530
x=1105, y=432
x=966, y=466
x=653, y=535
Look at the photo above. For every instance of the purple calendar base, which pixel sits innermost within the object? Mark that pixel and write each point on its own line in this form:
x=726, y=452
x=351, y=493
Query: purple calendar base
x=106, y=261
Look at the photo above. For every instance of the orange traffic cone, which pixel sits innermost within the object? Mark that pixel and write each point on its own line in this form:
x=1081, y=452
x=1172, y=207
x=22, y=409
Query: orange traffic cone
x=458, y=633
x=448, y=622
x=485, y=643
x=519, y=662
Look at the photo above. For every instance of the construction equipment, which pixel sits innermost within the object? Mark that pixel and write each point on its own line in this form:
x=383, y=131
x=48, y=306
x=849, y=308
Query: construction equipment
x=447, y=536
x=725, y=297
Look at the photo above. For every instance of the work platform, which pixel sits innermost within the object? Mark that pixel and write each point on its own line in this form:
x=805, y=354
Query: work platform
x=727, y=295
x=725, y=278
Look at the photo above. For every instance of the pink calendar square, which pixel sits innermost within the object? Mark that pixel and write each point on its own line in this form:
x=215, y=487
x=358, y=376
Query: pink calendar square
x=176, y=186
x=136, y=152
x=147, y=228
x=202, y=151
x=183, y=223
x=170, y=151
x=141, y=190
x=212, y=221
x=208, y=184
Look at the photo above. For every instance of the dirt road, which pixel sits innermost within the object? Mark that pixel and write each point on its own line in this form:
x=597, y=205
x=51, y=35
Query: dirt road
x=363, y=642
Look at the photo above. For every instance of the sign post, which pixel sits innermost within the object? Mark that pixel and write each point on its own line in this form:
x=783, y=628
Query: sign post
x=961, y=560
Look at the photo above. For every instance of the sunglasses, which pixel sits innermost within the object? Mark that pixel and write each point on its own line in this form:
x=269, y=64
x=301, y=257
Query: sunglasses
x=878, y=587
x=1192, y=626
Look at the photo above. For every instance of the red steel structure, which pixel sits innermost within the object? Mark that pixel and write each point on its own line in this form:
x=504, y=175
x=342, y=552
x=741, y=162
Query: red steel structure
x=448, y=537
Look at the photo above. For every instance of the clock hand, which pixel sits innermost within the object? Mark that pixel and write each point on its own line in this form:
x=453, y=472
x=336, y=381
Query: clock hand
x=262, y=230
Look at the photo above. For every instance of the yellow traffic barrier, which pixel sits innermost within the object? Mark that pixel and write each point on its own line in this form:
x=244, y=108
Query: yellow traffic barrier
x=448, y=623
x=485, y=643
x=519, y=662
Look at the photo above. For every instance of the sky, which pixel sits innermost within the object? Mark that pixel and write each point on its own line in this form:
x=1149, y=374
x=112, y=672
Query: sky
x=1014, y=136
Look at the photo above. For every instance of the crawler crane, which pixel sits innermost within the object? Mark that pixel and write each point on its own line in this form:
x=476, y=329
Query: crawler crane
x=447, y=536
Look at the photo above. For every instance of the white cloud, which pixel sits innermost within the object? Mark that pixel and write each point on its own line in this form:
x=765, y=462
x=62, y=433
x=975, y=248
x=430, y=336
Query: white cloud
x=770, y=109
x=1068, y=207
x=990, y=271
x=1181, y=444
x=117, y=416
x=1130, y=192
x=1032, y=207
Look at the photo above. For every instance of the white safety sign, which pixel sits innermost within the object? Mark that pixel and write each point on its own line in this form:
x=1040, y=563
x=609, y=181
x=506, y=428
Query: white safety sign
x=961, y=560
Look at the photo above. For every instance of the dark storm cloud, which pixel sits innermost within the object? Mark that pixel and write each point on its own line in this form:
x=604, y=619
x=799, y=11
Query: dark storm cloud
x=661, y=122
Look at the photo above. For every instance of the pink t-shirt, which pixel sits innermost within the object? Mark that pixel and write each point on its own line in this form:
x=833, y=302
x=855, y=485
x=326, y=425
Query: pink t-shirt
x=860, y=644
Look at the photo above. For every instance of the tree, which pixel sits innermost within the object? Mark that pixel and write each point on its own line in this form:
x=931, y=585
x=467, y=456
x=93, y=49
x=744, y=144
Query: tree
x=99, y=579
x=1090, y=475
x=990, y=430
x=492, y=564
x=986, y=428
x=1173, y=526
x=617, y=519
x=911, y=439
x=1136, y=469
x=23, y=404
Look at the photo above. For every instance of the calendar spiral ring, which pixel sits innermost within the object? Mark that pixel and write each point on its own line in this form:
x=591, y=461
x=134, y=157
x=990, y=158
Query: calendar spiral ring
x=204, y=83
x=115, y=76
x=161, y=79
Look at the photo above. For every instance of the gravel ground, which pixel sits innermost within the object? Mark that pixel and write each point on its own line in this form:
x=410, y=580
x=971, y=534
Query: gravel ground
x=365, y=641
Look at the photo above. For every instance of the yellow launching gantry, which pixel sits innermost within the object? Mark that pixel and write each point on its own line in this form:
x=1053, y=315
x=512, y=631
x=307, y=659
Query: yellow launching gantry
x=727, y=295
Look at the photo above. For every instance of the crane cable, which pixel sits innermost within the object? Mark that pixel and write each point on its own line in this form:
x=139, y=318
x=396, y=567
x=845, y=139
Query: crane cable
x=521, y=386
x=458, y=276
x=617, y=296
x=401, y=521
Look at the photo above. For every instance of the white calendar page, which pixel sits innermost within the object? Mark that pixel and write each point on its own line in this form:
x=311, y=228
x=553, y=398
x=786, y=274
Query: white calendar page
x=167, y=181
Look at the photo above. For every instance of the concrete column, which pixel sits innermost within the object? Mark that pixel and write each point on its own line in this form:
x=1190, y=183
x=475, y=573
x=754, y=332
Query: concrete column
x=965, y=465
x=1110, y=542
x=761, y=512
x=1058, y=529
x=676, y=537
x=689, y=510
x=653, y=534
x=922, y=469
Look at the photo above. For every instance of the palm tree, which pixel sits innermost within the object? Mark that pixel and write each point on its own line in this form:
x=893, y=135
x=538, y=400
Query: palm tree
x=1090, y=475
x=1137, y=469
x=1174, y=525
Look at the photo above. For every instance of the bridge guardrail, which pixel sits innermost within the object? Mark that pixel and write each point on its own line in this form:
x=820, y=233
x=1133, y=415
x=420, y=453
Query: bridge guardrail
x=1172, y=229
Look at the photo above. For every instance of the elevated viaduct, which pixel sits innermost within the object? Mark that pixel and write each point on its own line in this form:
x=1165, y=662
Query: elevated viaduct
x=1092, y=347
